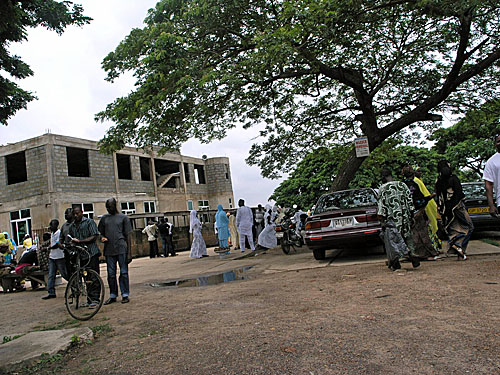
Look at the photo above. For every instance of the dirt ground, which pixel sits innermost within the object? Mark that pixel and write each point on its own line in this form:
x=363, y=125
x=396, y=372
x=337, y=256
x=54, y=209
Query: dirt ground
x=442, y=318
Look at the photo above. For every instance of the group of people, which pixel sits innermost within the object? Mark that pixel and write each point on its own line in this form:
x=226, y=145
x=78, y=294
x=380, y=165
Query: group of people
x=238, y=229
x=164, y=230
x=414, y=221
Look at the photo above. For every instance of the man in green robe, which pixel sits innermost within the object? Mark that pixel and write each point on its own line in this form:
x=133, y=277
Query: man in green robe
x=395, y=210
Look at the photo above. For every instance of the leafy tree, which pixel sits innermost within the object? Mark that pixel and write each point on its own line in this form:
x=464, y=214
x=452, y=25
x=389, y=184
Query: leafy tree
x=469, y=143
x=315, y=73
x=315, y=173
x=16, y=16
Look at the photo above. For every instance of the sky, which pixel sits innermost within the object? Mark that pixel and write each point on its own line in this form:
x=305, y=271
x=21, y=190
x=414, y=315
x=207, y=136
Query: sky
x=69, y=83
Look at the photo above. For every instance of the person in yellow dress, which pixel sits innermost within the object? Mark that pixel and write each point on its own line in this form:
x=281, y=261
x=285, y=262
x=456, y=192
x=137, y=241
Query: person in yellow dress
x=430, y=210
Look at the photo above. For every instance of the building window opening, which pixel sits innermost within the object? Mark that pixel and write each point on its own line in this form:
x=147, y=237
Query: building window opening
x=128, y=208
x=199, y=174
x=149, y=207
x=123, y=166
x=78, y=162
x=168, y=173
x=20, y=223
x=227, y=171
x=190, y=205
x=87, y=209
x=145, y=164
x=230, y=202
x=187, y=175
x=203, y=205
x=16, y=168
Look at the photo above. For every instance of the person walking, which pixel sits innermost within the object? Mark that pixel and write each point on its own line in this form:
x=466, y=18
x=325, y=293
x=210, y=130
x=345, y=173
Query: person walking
x=116, y=230
x=84, y=231
x=455, y=218
x=222, y=227
x=267, y=238
x=151, y=231
x=56, y=259
x=424, y=248
x=198, y=247
x=170, y=241
x=395, y=211
x=244, y=223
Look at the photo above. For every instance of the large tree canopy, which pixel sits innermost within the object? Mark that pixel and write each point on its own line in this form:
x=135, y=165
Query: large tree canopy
x=16, y=16
x=315, y=173
x=313, y=72
x=469, y=143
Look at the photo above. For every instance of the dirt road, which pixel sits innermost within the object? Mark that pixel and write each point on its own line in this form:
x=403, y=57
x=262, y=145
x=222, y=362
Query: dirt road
x=442, y=318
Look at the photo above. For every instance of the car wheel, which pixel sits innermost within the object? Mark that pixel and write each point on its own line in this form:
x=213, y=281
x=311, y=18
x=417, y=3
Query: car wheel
x=319, y=254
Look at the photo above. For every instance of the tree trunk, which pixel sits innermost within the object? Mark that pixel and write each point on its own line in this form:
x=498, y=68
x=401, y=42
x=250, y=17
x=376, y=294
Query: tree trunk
x=347, y=171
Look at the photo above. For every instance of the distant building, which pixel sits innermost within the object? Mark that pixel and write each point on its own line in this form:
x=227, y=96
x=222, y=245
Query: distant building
x=41, y=177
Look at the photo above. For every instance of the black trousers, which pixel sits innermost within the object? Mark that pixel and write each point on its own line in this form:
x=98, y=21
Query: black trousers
x=153, y=249
x=95, y=288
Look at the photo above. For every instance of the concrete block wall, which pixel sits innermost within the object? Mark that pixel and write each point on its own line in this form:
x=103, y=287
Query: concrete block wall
x=136, y=184
x=36, y=168
x=102, y=177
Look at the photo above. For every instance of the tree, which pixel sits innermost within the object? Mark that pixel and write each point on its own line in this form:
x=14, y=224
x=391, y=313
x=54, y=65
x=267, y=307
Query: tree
x=315, y=73
x=469, y=143
x=16, y=16
x=315, y=173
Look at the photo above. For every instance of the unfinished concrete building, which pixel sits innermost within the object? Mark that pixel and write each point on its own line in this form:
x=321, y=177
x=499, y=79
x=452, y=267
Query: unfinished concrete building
x=42, y=176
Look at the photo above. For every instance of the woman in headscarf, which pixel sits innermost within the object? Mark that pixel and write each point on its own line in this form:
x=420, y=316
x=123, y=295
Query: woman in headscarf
x=5, y=251
x=267, y=237
x=455, y=218
x=222, y=227
x=198, y=247
x=13, y=245
x=424, y=248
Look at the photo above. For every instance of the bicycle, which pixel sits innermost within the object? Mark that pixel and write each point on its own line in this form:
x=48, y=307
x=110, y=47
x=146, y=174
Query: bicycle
x=83, y=283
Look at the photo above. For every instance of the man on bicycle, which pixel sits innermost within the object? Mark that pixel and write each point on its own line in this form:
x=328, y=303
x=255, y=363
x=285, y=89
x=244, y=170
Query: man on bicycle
x=115, y=229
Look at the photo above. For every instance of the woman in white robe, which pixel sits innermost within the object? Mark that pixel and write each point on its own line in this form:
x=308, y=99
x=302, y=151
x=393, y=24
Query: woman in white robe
x=198, y=247
x=267, y=238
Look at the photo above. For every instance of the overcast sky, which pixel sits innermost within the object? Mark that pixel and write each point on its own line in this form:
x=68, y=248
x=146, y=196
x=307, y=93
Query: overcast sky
x=69, y=83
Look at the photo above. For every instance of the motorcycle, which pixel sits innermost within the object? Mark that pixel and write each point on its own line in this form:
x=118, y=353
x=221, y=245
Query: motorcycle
x=291, y=237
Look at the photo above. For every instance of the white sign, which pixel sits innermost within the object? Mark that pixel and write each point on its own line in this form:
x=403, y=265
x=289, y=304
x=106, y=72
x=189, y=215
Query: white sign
x=362, y=147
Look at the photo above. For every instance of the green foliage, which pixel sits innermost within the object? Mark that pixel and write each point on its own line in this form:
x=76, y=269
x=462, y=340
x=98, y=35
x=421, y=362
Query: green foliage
x=312, y=73
x=100, y=329
x=469, y=143
x=7, y=339
x=15, y=18
x=315, y=173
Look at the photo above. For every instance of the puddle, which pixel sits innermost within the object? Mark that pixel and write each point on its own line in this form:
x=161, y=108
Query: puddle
x=219, y=278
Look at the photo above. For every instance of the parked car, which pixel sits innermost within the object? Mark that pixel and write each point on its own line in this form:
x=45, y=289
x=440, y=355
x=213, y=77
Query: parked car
x=477, y=206
x=343, y=219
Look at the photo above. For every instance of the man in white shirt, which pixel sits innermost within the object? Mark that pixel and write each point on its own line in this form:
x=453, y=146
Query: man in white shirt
x=491, y=176
x=244, y=223
x=56, y=259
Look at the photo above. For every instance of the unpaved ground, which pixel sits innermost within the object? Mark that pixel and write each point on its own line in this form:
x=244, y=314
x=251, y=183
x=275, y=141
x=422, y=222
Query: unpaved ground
x=442, y=318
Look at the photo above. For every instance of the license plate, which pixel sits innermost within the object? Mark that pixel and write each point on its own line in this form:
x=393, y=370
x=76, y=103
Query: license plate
x=478, y=210
x=279, y=234
x=342, y=223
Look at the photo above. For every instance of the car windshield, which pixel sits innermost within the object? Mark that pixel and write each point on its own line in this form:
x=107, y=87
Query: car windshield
x=474, y=191
x=341, y=200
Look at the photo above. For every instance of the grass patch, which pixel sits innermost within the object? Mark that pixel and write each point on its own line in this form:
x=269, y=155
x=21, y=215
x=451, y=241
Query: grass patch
x=490, y=241
x=45, y=364
x=100, y=329
x=7, y=339
x=68, y=323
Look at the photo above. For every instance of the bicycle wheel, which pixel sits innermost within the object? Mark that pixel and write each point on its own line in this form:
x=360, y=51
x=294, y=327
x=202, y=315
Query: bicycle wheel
x=84, y=294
